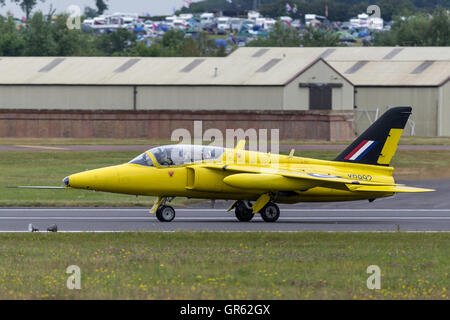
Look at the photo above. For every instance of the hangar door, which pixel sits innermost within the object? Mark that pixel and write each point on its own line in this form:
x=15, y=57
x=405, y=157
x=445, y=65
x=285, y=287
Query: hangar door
x=320, y=95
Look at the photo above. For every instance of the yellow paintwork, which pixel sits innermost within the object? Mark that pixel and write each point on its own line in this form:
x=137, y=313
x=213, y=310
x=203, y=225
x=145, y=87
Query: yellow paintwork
x=156, y=205
x=247, y=175
x=260, y=202
x=390, y=146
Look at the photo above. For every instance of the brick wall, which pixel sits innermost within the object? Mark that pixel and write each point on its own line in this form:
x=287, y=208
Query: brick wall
x=159, y=124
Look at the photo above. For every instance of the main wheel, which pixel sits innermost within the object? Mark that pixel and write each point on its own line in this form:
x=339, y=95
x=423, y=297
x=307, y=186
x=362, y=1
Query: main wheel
x=165, y=213
x=243, y=213
x=270, y=213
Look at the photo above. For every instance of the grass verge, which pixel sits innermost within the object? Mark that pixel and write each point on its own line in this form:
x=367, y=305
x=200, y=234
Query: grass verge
x=215, y=265
x=49, y=168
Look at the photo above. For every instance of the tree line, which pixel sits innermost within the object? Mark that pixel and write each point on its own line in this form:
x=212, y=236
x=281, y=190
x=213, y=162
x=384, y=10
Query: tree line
x=338, y=10
x=418, y=30
x=44, y=35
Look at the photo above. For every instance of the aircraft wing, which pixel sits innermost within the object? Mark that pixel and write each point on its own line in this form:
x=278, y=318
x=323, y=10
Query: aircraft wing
x=320, y=178
x=395, y=188
x=259, y=178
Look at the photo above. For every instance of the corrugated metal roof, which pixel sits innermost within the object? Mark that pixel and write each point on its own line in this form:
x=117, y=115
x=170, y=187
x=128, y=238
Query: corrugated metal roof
x=127, y=65
x=384, y=66
x=152, y=71
x=52, y=65
x=260, y=53
x=269, y=65
x=422, y=67
x=354, y=53
x=396, y=73
x=327, y=52
x=246, y=66
x=393, y=53
x=191, y=66
x=355, y=67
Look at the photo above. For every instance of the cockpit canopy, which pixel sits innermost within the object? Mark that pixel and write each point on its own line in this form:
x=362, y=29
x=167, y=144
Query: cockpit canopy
x=179, y=154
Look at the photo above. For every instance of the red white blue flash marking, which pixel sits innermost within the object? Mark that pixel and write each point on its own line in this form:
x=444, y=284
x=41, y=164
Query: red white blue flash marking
x=361, y=150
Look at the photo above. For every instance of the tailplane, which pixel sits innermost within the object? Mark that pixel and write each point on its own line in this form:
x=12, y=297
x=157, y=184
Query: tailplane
x=377, y=145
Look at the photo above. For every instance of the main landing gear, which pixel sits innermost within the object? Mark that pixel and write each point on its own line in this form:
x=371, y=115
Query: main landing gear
x=243, y=210
x=244, y=213
x=270, y=212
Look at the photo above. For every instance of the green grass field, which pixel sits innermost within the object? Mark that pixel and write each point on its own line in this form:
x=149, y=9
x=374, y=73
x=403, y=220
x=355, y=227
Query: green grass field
x=215, y=265
x=49, y=168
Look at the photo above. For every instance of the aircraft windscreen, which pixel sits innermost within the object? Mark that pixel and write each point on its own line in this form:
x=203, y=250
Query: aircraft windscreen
x=174, y=155
x=143, y=160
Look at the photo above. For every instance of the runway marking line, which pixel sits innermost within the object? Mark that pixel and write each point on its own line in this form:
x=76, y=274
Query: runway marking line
x=225, y=218
x=223, y=210
x=41, y=147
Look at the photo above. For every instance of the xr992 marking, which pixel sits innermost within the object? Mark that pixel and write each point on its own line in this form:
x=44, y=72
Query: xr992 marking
x=360, y=177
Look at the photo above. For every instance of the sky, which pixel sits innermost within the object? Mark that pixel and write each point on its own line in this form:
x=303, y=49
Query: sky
x=154, y=7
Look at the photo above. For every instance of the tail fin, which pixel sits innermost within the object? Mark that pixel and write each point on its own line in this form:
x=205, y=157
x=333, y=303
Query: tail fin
x=377, y=145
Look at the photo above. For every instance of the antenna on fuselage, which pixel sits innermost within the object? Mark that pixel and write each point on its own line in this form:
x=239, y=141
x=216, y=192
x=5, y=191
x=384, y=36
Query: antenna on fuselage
x=291, y=154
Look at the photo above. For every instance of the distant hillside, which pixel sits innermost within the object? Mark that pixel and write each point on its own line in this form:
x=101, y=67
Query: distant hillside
x=338, y=10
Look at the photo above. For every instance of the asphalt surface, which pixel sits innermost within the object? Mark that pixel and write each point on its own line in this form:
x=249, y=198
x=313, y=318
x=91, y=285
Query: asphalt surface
x=407, y=212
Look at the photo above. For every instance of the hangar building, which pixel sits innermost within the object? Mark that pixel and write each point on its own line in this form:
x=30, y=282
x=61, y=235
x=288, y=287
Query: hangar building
x=309, y=93
x=390, y=76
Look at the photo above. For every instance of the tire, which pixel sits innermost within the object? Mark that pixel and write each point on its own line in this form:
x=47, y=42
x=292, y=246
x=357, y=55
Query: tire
x=270, y=213
x=242, y=213
x=165, y=213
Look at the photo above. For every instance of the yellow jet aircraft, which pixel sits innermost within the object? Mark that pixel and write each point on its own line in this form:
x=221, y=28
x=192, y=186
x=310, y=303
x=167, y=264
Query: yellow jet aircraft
x=257, y=181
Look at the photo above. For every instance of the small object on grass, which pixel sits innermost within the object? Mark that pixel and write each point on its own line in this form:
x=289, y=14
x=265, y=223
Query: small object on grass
x=32, y=228
x=52, y=228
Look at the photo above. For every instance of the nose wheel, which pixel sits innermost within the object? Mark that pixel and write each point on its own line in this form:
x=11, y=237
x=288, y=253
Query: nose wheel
x=165, y=213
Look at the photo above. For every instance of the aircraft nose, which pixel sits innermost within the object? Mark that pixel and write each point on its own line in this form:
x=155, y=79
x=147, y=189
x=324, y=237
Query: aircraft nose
x=66, y=182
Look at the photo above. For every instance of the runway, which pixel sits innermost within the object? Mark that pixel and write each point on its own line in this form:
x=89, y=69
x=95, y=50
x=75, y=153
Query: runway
x=407, y=212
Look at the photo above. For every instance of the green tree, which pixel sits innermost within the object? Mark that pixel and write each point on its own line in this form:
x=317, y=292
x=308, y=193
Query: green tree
x=118, y=43
x=280, y=36
x=72, y=42
x=440, y=28
x=26, y=5
x=90, y=12
x=102, y=6
x=173, y=39
x=141, y=49
x=320, y=38
x=418, y=30
x=38, y=37
x=11, y=41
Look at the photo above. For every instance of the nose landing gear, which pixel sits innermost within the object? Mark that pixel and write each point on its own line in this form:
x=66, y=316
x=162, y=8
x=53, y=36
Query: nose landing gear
x=163, y=212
